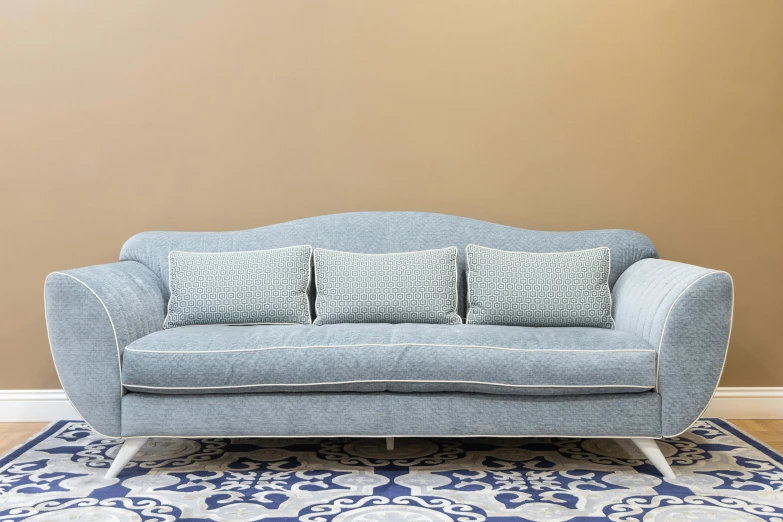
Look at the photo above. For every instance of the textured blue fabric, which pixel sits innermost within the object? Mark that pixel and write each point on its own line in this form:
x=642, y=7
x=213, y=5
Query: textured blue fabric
x=390, y=414
x=549, y=289
x=685, y=312
x=405, y=287
x=251, y=287
x=384, y=357
x=386, y=232
x=91, y=313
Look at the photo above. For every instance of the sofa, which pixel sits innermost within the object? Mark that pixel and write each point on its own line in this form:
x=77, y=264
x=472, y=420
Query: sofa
x=649, y=377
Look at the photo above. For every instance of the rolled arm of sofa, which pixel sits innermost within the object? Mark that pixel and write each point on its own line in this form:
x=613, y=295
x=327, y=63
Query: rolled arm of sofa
x=685, y=312
x=91, y=313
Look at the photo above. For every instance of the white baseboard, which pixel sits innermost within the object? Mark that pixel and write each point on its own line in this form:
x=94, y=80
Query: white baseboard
x=746, y=403
x=51, y=405
x=35, y=406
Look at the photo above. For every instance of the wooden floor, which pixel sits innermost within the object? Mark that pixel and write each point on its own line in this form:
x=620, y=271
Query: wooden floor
x=768, y=431
x=14, y=433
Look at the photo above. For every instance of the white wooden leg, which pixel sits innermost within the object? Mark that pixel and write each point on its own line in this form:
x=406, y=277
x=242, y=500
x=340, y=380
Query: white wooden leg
x=651, y=450
x=389, y=443
x=127, y=451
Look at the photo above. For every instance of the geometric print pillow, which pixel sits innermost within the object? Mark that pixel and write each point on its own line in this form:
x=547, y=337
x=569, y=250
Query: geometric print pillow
x=409, y=287
x=253, y=287
x=531, y=289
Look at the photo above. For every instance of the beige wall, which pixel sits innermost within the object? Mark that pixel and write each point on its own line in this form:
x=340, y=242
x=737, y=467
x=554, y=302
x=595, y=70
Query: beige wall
x=662, y=116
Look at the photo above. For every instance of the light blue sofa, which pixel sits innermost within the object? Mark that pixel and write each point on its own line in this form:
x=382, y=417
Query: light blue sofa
x=650, y=377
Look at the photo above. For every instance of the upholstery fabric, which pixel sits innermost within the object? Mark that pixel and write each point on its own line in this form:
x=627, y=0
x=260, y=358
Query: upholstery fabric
x=387, y=232
x=535, y=289
x=91, y=313
x=390, y=414
x=685, y=312
x=407, y=287
x=251, y=287
x=384, y=357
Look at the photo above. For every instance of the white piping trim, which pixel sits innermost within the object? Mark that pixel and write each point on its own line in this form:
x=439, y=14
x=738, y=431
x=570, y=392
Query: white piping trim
x=306, y=295
x=669, y=313
x=606, y=283
x=388, y=380
x=51, y=348
x=320, y=347
x=723, y=366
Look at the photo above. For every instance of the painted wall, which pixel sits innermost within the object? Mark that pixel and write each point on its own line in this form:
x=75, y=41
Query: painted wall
x=656, y=115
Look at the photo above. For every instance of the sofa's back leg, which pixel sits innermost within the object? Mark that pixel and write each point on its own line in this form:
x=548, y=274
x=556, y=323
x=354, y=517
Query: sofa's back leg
x=651, y=450
x=389, y=443
x=127, y=451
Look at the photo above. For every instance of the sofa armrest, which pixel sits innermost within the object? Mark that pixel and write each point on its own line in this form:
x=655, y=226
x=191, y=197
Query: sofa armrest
x=685, y=312
x=91, y=313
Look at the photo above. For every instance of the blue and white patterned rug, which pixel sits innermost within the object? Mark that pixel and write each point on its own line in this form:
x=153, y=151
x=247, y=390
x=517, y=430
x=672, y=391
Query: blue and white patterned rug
x=722, y=475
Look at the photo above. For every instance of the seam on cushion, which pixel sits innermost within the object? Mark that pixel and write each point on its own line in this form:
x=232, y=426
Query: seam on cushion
x=51, y=348
x=241, y=350
x=668, y=315
x=423, y=381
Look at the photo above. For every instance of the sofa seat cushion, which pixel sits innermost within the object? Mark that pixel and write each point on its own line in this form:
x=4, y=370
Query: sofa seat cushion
x=386, y=357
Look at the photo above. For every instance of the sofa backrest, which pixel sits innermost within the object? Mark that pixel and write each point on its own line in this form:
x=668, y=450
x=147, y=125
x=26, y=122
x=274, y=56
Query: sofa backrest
x=384, y=232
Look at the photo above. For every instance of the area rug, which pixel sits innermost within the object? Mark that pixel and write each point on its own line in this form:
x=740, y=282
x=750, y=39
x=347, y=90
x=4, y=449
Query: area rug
x=722, y=475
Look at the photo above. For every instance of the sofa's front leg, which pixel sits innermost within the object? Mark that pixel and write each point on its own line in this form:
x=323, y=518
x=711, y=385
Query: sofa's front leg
x=651, y=450
x=129, y=448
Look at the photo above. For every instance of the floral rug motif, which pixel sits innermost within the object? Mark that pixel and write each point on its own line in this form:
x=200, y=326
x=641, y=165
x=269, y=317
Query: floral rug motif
x=722, y=474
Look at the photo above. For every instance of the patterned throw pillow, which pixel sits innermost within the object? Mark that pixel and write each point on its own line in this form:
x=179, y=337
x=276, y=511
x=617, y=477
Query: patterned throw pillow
x=410, y=287
x=529, y=289
x=254, y=287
